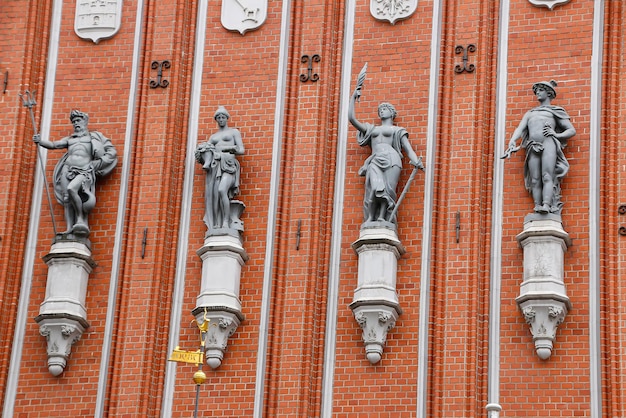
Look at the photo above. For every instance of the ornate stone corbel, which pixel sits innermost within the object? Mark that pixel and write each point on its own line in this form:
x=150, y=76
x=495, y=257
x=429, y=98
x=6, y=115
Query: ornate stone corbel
x=222, y=259
x=62, y=316
x=375, y=321
x=61, y=333
x=543, y=300
x=222, y=325
x=375, y=304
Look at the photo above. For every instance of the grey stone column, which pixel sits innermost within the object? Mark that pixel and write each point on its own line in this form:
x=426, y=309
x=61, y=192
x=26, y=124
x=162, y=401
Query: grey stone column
x=62, y=316
x=543, y=299
x=222, y=258
x=375, y=304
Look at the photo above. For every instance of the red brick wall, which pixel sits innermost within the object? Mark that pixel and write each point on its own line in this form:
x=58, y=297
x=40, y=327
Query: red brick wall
x=240, y=73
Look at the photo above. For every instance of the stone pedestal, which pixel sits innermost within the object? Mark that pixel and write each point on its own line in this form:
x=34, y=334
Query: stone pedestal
x=543, y=299
x=375, y=304
x=222, y=258
x=62, y=316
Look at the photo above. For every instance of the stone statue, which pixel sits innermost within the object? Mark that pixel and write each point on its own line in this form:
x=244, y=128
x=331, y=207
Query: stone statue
x=382, y=168
x=89, y=155
x=544, y=131
x=218, y=160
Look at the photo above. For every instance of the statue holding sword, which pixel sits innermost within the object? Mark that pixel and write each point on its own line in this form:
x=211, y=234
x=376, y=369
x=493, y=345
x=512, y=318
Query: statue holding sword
x=382, y=168
x=544, y=131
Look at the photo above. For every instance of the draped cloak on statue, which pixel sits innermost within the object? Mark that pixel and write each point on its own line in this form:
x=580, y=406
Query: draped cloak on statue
x=104, y=160
x=379, y=182
x=562, y=166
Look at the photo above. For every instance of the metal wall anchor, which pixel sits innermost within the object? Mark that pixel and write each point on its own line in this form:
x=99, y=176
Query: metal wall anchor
x=310, y=75
x=465, y=67
x=160, y=81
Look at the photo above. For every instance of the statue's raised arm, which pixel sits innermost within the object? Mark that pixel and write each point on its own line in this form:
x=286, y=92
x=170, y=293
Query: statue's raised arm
x=356, y=96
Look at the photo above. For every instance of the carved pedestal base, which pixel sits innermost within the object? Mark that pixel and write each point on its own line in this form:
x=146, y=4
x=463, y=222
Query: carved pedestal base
x=375, y=304
x=543, y=299
x=222, y=258
x=61, y=333
x=375, y=321
x=62, y=316
x=222, y=324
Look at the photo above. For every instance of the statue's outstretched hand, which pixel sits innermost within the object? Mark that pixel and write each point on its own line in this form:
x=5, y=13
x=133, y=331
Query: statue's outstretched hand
x=510, y=150
x=37, y=138
x=419, y=164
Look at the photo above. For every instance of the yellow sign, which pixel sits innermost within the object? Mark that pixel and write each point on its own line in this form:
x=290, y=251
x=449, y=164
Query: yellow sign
x=182, y=356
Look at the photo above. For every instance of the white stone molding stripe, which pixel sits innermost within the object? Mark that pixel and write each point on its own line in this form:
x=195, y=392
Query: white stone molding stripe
x=338, y=201
x=121, y=211
x=429, y=187
x=595, y=358
x=281, y=85
x=493, y=379
x=35, y=213
x=185, y=213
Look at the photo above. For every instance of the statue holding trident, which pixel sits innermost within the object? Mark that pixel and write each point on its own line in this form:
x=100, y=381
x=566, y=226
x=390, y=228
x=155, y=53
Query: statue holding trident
x=544, y=131
x=89, y=155
x=382, y=168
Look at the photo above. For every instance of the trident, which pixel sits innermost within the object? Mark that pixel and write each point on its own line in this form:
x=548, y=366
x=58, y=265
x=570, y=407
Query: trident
x=28, y=100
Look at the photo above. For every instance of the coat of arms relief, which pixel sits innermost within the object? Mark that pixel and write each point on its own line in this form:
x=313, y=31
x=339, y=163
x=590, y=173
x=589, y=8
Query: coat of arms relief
x=243, y=15
x=392, y=10
x=97, y=19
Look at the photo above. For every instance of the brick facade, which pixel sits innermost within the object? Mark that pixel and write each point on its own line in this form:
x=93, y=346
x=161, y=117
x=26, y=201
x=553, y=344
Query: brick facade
x=299, y=351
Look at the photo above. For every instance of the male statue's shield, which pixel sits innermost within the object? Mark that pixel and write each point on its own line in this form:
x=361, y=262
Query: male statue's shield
x=243, y=15
x=392, y=10
x=550, y=4
x=97, y=19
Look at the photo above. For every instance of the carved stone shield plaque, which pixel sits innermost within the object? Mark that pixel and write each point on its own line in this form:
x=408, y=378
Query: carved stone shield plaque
x=392, y=10
x=550, y=4
x=97, y=19
x=243, y=15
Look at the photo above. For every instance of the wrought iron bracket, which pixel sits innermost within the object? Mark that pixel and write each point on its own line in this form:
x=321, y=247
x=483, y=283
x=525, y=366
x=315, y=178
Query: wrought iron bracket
x=460, y=49
x=310, y=75
x=5, y=82
x=622, y=210
x=160, y=81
